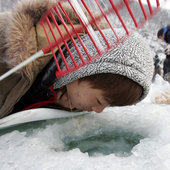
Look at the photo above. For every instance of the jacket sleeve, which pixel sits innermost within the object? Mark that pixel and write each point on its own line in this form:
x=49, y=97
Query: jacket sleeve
x=167, y=35
x=165, y=67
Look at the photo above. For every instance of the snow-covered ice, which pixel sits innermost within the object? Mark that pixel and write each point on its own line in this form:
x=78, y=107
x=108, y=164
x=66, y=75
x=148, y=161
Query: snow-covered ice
x=134, y=137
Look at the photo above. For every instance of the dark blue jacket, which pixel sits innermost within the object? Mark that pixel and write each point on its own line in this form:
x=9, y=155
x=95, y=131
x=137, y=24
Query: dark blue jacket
x=166, y=66
x=167, y=35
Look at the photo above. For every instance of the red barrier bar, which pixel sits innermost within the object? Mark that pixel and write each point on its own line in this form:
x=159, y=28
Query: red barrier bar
x=58, y=67
x=75, y=31
x=150, y=7
x=143, y=10
x=93, y=19
x=117, y=13
x=105, y=16
x=85, y=26
x=131, y=13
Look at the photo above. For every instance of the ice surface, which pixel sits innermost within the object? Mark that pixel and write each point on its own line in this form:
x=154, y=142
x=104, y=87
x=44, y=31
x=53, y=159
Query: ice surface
x=75, y=144
x=42, y=146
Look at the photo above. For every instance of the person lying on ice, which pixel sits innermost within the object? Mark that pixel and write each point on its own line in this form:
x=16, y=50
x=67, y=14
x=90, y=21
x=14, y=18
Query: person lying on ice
x=120, y=77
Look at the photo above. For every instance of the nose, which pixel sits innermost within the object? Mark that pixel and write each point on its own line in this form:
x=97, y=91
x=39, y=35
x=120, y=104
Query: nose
x=98, y=109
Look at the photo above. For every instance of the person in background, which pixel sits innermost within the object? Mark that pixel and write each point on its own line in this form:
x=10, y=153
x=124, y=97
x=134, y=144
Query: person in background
x=164, y=34
x=120, y=77
x=157, y=67
x=158, y=64
x=166, y=65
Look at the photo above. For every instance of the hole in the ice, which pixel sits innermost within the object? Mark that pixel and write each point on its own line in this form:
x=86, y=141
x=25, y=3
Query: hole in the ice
x=104, y=143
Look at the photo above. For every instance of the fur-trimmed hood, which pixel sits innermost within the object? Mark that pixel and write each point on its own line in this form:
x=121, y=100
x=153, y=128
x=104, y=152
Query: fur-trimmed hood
x=18, y=41
x=21, y=36
x=17, y=31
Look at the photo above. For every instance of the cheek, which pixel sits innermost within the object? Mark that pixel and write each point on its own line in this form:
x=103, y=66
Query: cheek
x=74, y=96
x=78, y=98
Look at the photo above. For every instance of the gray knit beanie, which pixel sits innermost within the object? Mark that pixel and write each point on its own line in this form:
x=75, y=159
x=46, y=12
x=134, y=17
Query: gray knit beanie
x=132, y=58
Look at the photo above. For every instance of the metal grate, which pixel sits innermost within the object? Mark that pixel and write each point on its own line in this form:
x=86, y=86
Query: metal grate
x=128, y=15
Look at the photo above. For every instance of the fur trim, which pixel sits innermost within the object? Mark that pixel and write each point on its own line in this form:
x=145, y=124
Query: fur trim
x=18, y=35
x=34, y=9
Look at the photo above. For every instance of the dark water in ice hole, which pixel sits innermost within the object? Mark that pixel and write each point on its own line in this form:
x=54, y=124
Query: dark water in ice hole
x=114, y=141
x=96, y=142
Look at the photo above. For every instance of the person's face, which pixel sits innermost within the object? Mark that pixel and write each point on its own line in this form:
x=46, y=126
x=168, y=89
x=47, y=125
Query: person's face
x=83, y=97
x=161, y=37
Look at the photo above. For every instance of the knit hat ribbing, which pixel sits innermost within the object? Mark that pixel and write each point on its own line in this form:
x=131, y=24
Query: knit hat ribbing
x=132, y=58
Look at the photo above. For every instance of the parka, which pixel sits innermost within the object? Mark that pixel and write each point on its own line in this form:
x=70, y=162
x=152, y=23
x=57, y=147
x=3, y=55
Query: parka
x=21, y=36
